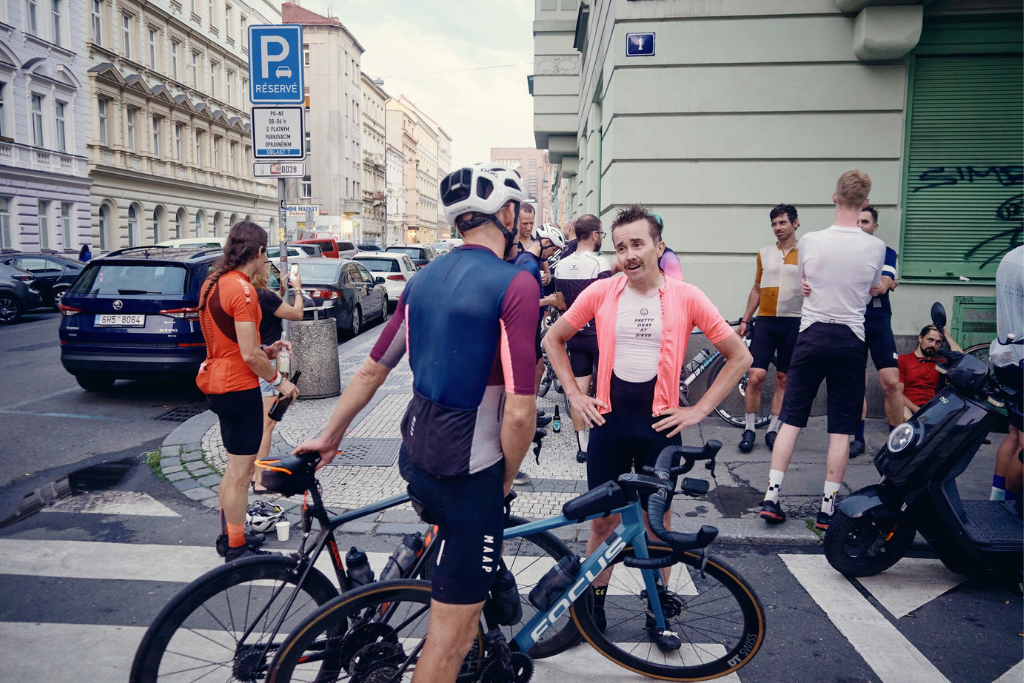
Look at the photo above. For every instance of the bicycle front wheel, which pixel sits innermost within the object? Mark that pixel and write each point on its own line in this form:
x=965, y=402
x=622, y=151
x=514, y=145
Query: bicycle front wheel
x=373, y=633
x=716, y=615
x=979, y=351
x=228, y=623
x=732, y=407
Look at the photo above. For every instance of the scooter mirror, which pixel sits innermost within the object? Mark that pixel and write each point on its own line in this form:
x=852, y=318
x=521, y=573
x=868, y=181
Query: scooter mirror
x=938, y=315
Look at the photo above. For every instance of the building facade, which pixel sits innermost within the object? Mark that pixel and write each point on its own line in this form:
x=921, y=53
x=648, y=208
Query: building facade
x=444, y=167
x=401, y=134
x=713, y=113
x=169, y=144
x=534, y=167
x=44, y=118
x=334, y=129
x=374, y=219
x=394, y=161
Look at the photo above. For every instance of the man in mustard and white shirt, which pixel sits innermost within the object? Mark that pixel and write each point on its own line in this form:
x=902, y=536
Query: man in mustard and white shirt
x=777, y=299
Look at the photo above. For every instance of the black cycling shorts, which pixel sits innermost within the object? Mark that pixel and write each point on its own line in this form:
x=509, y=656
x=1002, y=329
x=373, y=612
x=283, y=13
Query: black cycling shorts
x=241, y=420
x=470, y=515
x=830, y=352
x=881, y=343
x=626, y=441
x=583, y=354
x=774, y=338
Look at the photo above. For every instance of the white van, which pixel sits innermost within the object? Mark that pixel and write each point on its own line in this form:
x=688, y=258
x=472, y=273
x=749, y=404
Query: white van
x=195, y=243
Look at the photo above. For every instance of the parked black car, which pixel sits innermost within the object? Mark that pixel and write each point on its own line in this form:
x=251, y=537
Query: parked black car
x=421, y=254
x=355, y=294
x=17, y=293
x=369, y=247
x=54, y=273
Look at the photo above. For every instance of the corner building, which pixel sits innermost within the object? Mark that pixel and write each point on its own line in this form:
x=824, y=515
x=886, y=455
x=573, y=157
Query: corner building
x=722, y=110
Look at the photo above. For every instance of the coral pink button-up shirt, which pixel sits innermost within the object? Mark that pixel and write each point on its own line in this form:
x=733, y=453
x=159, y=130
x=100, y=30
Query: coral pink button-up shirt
x=683, y=307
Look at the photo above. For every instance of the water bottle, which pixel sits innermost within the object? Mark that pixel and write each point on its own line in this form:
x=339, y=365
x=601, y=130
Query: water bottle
x=403, y=557
x=555, y=582
x=281, y=404
x=556, y=422
x=503, y=606
x=284, y=362
x=359, y=571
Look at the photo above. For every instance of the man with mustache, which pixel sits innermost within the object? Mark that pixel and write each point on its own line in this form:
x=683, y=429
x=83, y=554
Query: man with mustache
x=918, y=374
x=643, y=323
x=777, y=299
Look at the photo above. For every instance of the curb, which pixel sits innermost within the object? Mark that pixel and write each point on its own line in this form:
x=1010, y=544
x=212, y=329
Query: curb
x=36, y=500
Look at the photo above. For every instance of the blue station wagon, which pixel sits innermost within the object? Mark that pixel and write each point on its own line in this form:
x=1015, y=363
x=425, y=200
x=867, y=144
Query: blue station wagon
x=133, y=314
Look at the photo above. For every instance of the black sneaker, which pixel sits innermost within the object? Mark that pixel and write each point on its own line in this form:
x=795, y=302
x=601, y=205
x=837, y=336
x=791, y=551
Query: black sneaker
x=581, y=456
x=600, y=619
x=856, y=448
x=747, y=441
x=821, y=522
x=769, y=439
x=244, y=551
x=671, y=607
x=521, y=479
x=772, y=512
x=253, y=540
x=543, y=420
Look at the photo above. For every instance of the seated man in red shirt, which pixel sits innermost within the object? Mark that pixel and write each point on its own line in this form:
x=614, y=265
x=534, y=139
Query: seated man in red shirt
x=918, y=373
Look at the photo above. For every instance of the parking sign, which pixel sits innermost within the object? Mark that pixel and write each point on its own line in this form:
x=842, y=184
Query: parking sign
x=275, y=64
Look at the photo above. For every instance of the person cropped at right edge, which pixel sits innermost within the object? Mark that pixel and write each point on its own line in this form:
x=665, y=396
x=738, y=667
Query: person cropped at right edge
x=839, y=266
x=1007, y=357
x=878, y=337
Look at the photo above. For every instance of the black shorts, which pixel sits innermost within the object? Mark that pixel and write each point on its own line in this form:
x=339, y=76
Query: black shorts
x=626, y=441
x=241, y=420
x=1012, y=376
x=470, y=515
x=774, y=338
x=583, y=354
x=536, y=342
x=830, y=352
x=879, y=340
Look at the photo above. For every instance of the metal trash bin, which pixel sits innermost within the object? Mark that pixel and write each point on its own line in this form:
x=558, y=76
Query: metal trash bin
x=315, y=353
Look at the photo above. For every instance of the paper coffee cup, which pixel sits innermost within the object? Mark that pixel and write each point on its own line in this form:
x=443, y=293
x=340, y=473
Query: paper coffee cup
x=282, y=530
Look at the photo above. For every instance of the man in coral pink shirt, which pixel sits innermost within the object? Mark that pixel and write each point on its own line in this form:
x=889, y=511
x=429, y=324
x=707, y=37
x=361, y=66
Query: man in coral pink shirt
x=643, y=322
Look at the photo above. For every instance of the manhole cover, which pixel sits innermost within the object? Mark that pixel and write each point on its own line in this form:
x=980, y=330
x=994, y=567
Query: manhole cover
x=368, y=452
x=181, y=413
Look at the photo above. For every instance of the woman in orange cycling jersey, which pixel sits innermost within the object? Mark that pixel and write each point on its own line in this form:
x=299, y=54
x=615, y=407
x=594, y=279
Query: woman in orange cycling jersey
x=229, y=314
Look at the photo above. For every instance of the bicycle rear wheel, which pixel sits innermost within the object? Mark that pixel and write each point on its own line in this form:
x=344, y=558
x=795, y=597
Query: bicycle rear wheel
x=718, y=618
x=732, y=408
x=373, y=633
x=979, y=351
x=228, y=623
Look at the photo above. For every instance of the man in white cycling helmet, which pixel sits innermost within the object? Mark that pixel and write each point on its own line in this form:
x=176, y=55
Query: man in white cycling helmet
x=468, y=322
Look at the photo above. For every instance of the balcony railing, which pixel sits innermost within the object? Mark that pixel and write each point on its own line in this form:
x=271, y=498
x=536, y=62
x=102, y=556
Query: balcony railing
x=36, y=159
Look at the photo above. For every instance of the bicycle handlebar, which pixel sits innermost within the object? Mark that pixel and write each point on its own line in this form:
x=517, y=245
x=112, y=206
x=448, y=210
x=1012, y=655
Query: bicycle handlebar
x=660, y=501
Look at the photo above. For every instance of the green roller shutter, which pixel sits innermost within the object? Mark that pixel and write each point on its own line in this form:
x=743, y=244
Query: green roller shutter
x=965, y=165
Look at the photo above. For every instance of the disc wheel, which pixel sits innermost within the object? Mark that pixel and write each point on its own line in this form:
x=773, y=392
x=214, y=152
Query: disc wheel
x=718, y=619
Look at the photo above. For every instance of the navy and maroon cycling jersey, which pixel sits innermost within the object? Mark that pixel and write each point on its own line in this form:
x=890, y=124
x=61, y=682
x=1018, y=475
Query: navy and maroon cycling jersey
x=469, y=322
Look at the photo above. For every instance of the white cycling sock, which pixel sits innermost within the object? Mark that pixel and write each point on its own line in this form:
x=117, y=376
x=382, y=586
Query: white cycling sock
x=583, y=439
x=774, y=484
x=997, y=494
x=828, y=500
x=775, y=424
x=749, y=418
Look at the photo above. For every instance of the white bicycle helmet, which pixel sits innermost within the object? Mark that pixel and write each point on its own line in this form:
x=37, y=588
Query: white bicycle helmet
x=481, y=188
x=263, y=517
x=549, y=231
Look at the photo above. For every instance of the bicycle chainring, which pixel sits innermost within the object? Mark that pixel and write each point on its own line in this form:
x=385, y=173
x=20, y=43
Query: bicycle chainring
x=520, y=670
x=358, y=638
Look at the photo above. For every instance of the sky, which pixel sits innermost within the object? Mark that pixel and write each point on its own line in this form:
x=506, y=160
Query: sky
x=432, y=52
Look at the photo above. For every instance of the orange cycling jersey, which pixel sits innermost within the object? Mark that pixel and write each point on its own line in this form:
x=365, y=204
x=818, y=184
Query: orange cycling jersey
x=232, y=299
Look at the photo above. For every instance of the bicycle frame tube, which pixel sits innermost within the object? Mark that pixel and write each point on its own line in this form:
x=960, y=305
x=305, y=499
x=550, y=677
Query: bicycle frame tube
x=631, y=530
x=702, y=367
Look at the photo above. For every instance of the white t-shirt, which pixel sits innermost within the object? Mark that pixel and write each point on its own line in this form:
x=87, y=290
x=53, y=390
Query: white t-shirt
x=1009, y=310
x=841, y=266
x=637, y=336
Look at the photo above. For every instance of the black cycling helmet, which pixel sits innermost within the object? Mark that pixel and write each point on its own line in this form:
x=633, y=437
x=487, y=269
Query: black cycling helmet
x=290, y=476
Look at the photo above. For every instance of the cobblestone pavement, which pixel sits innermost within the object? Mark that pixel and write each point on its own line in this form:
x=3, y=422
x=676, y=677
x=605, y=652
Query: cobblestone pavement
x=193, y=459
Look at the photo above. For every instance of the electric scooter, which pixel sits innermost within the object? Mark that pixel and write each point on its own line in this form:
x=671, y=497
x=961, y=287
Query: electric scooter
x=874, y=527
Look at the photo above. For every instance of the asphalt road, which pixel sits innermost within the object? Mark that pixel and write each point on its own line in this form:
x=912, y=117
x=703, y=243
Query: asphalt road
x=93, y=580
